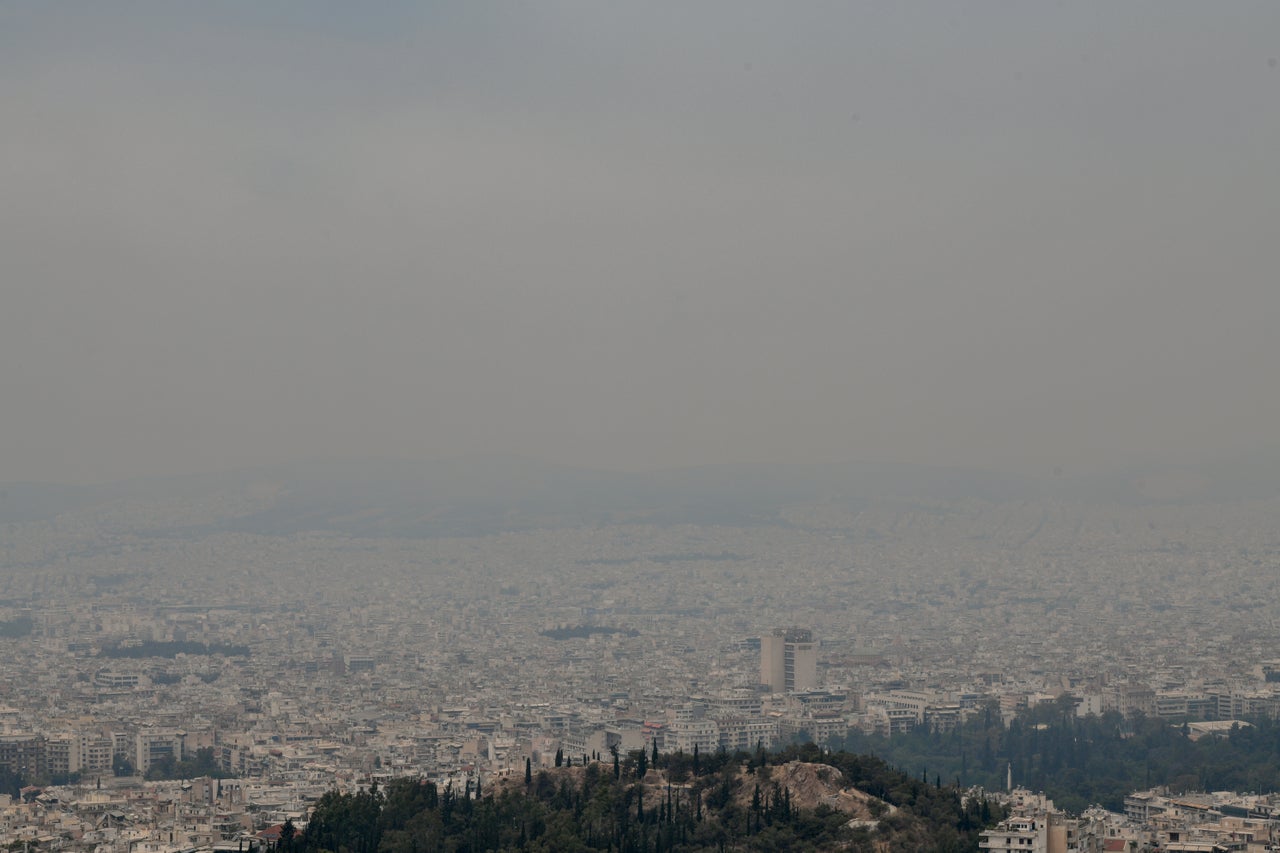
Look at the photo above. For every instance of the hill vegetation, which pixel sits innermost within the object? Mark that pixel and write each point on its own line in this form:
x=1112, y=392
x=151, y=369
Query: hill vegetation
x=799, y=799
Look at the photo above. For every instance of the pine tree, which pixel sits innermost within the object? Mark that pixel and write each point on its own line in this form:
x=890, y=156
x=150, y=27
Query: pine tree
x=528, y=772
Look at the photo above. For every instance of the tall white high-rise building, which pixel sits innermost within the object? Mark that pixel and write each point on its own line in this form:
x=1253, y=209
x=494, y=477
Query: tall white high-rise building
x=789, y=660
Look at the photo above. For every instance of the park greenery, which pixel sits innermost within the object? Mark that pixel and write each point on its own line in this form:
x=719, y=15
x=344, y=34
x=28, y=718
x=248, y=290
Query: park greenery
x=1084, y=761
x=202, y=763
x=580, y=632
x=15, y=628
x=171, y=649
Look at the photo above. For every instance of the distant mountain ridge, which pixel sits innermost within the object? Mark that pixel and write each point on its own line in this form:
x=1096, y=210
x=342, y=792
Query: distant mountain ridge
x=477, y=495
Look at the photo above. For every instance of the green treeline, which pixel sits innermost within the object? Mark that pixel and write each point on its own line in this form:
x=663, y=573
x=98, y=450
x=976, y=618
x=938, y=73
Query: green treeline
x=1083, y=761
x=170, y=649
x=581, y=632
x=200, y=764
x=14, y=628
x=711, y=803
x=11, y=783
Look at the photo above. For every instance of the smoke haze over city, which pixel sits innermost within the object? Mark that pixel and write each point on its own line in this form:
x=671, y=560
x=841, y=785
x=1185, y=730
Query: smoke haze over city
x=1025, y=237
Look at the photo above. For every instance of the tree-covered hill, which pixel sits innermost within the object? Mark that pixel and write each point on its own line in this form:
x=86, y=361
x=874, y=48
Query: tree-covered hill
x=686, y=803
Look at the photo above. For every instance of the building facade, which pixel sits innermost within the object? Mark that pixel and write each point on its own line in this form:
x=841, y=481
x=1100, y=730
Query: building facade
x=789, y=660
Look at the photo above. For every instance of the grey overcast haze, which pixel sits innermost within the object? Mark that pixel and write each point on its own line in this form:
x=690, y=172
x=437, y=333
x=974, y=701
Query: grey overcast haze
x=1016, y=236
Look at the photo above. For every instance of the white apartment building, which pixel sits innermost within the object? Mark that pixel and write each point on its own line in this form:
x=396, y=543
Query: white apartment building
x=789, y=660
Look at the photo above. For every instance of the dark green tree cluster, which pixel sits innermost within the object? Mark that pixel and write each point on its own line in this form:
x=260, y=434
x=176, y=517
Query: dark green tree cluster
x=594, y=809
x=584, y=631
x=1083, y=761
x=354, y=823
x=11, y=783
x=171, y=649
x=13, y=628
x=200, y=764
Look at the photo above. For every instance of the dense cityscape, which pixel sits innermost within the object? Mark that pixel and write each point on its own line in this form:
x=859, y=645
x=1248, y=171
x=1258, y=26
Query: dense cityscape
x=261, y=671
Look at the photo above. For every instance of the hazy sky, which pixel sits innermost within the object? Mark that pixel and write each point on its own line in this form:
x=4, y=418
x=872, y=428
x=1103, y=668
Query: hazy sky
x=636, y=235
